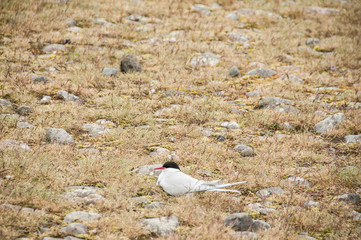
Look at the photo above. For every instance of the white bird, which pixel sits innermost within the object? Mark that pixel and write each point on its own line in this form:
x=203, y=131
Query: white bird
x=175, y=182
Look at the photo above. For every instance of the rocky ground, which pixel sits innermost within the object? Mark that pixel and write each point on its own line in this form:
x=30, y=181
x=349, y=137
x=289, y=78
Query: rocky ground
x=95, y=94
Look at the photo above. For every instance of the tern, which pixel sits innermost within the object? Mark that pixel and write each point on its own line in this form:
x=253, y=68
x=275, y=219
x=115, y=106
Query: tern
x=176, y=183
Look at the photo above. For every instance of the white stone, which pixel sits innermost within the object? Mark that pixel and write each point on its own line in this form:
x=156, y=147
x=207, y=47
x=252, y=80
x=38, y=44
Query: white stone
x=13, y=144
x=230, y=125
x=58, y=135
x=205, y=59
x=53, y=48
x=202, y=9
x=267, y=192
x=45, y=99
x=353, y=138
x=163, y=226
x=245, y=150
x=148, y=170
x=329, y=123
x=75, y=228
x=263, y=72
x=81, y=215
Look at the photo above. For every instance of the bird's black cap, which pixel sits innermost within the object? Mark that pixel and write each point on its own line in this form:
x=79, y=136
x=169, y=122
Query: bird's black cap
x=171, y=165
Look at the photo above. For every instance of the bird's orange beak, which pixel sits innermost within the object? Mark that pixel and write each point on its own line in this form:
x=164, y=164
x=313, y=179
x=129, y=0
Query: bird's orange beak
x=159, y=168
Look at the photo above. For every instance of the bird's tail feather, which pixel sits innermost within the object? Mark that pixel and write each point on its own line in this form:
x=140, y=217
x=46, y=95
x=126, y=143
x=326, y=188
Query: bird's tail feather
x=218, y=188
x=229, y=184
x=224, y=190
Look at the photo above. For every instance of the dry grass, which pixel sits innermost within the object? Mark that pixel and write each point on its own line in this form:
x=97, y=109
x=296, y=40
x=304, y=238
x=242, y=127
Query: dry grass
x=41, y=175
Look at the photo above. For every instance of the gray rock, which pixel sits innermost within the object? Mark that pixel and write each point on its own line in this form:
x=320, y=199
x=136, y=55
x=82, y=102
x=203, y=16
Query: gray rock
x=329, y=123
x=205, y=59
x=85, y=194
x=304, y=236
x=237, y=37
x=356, y=216
x=173, y=157
x=239, y=221
x=310, y=204
x=25, y=210
x=24, y=110
x=253, y=93
x=130, y=64
x=321, y=11
x=263, y=72
x=38, y=78
x=259, y=225
x=95, y=129
x=233, y=16
x=72, y=238
x=202, y=9
x=288, y=3
x=256, y=65
x=163, y=226
x=101, y=21
x=174, y=36
x=51, y=238
x=54, y=47
x=214, y=6
x=58, y=135
x=230, y=125
x=160, y=152
x=64, y=95
x=70, y=23
x=45, y=99
x=75, y=228
x=287, y=126
x=221, y=138
x=13, y=144
x=233, y=72
x=260, y=208
x=148, y=170
x=207, y=132
x=245, y=150
x=349, y=197
x=245, y=235
x=171, y=139
x=312, y=41
x=51, y=70
x=279, y=104
x=267, y=192
x=254, y=12
x=299, y=181
x=293, y=79
x=24, y=238
x=4, y=102
x=82, y=216
x=353, y=138
x=24, y=125
x=327, y=89
x=74, y=29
